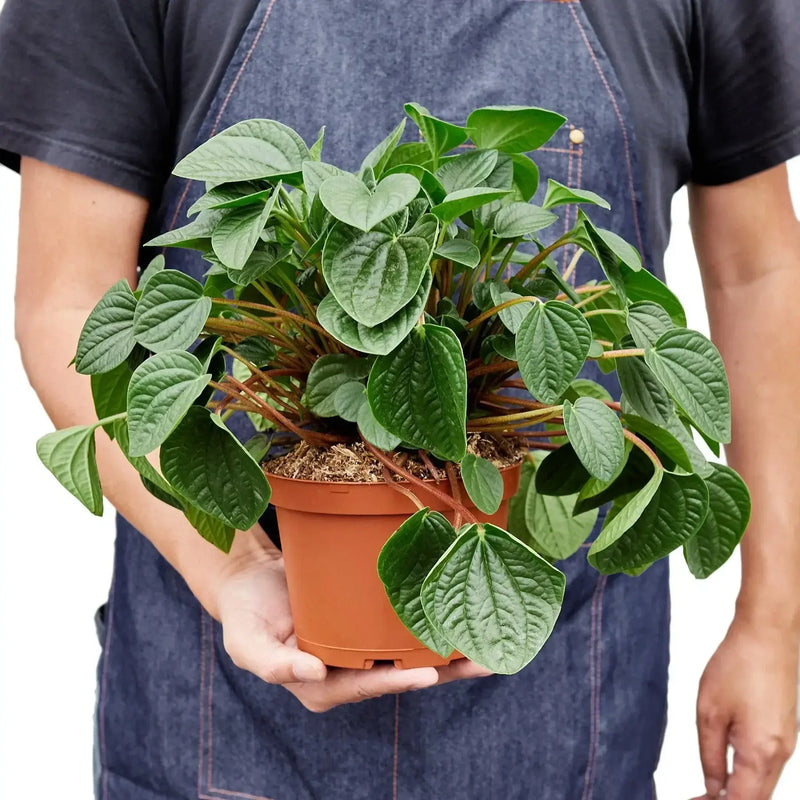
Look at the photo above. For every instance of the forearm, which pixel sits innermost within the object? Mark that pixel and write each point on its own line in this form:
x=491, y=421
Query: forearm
x=47, y=342
x=754, y=323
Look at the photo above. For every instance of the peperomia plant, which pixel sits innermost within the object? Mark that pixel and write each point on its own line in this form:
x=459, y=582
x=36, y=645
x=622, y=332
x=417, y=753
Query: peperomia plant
x=407, y=305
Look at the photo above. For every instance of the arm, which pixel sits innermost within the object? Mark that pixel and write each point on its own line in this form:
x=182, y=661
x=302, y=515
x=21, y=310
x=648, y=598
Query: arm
x=748, y=245
x=77, y=237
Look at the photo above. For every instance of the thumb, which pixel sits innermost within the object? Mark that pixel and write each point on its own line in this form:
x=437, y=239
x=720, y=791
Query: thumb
x=255, y=648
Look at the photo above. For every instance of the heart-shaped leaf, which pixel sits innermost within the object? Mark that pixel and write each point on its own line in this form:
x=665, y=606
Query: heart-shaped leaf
x=210, y=528
x=642, y=391
x=160, y=392
x=561, y=472
x=513, y=316
x=249, y=150
x=647, y=321
x=690, y=368
x=379, y=339
x=513, y=129
x=525, y=176
x=643, y=285
x=559, y=195
x=459, y=251
x=348, y=399
x=379, y=156
x=258, y=350
x=595, y=432
x=483, y=482
x=69, y=454
x=110, y=392
x=238, y=232
x=653, y=529
x=373, y=431
x=552, y=344
x=724, y=525
x=208, y=466
x=156, y=265
x=351, y=202
x=107, y=336
x=419, y=392
x=466, y=170
x=403, y=564
x=171, y=312
x=494, y=598
x=326, y=375
x=315, y=173
x=374, y=275
x=518, y=219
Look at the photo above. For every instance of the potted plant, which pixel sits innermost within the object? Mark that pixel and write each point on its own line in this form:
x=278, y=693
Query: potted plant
x=409, y=355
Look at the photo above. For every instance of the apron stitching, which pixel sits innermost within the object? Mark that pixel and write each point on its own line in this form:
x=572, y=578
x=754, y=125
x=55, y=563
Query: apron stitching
x=225, y=102
x=623, y=127
x=396, y=740
x=103, y=685
x=595, y=655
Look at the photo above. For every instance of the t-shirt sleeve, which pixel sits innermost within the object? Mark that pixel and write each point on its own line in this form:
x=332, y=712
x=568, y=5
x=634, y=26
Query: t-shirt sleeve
x=82, y=88
x=746, y=103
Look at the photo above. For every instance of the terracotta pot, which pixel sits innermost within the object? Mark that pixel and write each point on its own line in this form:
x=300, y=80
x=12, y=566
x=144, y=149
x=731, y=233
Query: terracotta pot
x=331, y=534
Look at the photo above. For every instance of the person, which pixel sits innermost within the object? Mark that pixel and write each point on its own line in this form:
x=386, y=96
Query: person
x=98, y=99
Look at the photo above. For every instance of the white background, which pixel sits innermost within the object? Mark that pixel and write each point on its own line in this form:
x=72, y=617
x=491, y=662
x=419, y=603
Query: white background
x=55, y=567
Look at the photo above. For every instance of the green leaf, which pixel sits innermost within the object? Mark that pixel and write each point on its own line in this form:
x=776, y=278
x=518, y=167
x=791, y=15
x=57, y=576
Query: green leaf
x=351, y=202
x=69, y=454
x=326, y=375
x=494, y=598
x=107, y=336
x=552, y=344
x=647, y=321
x=513, y=316
x=194, y=236
x=518, y=219
x=156, y=265
x=583, y=387
x=379, y=156
x=548, y=523
x=661, y=438
x=315, y=151
x=647, y=528
x=643, y=392
x=206, y=464
x=513, y=129
x=231, y=195
x=439, y=135
x=315, y=173
x=459, y=251
x=210, y=528
x=483, y=482
x=467, y=170
x=404, y=561
x=594, y=430
x=110, y=392
x=643, y=285
x=559, y=195
x=249, y=150
x=258, y=445
x=374, y=275
x=459, y=202
x=348, y=399
x=430, y=183
x=238, y=232
x=161, y=391
x=171, y=312
x=561, y=472
x=263, y=265
x=633, y=476
x=378, y=339
x=609, y=261
x=690, y=368
x=525, y=176
x=724, y=525
x=373, y=431
x=419, y=392
x=258, y=350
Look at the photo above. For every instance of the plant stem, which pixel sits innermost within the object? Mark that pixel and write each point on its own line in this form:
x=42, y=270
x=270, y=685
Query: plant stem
x=539, y=258
x=599, y=312
x=635, y=351
x=387, y=478
x=496, y=309
x=455, y=491
x=645, y=448
x=573, y=264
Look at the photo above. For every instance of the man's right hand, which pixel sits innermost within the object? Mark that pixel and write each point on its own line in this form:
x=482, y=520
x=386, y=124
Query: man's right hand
x=252, y=603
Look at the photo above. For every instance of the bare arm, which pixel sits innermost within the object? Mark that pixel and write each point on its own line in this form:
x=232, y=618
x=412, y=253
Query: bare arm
x=77, y=237
x=748, y=244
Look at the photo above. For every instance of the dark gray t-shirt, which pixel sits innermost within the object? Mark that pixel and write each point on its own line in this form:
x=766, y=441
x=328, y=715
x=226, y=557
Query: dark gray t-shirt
x=117, y=90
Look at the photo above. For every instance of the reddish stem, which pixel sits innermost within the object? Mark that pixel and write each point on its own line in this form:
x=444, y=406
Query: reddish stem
x=451, y=474
x=387, y=477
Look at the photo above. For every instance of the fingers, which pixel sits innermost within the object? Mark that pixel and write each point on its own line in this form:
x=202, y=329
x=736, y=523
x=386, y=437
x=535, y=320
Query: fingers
x=254, y=648
x=712, y=730
x=353, y=685
x=756, y=770
x=462, y=669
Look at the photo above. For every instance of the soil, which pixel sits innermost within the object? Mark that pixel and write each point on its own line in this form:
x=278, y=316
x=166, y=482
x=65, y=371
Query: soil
x=353, y=463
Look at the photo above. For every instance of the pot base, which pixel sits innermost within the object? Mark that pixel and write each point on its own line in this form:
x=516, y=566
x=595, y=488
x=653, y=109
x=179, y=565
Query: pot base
x=366, y=659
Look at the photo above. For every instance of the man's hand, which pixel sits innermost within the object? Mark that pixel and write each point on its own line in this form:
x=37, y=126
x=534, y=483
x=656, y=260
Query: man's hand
x=252, y=603
x=748, y=699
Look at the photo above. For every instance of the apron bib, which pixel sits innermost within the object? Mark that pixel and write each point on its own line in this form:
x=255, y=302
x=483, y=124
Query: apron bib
x=175, y=718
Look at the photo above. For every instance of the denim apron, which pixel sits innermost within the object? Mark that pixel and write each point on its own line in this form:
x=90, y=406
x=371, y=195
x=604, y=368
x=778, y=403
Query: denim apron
x=584, y=721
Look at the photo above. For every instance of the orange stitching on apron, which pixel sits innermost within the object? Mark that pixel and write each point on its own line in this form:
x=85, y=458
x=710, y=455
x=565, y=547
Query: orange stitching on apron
x=625, y=138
